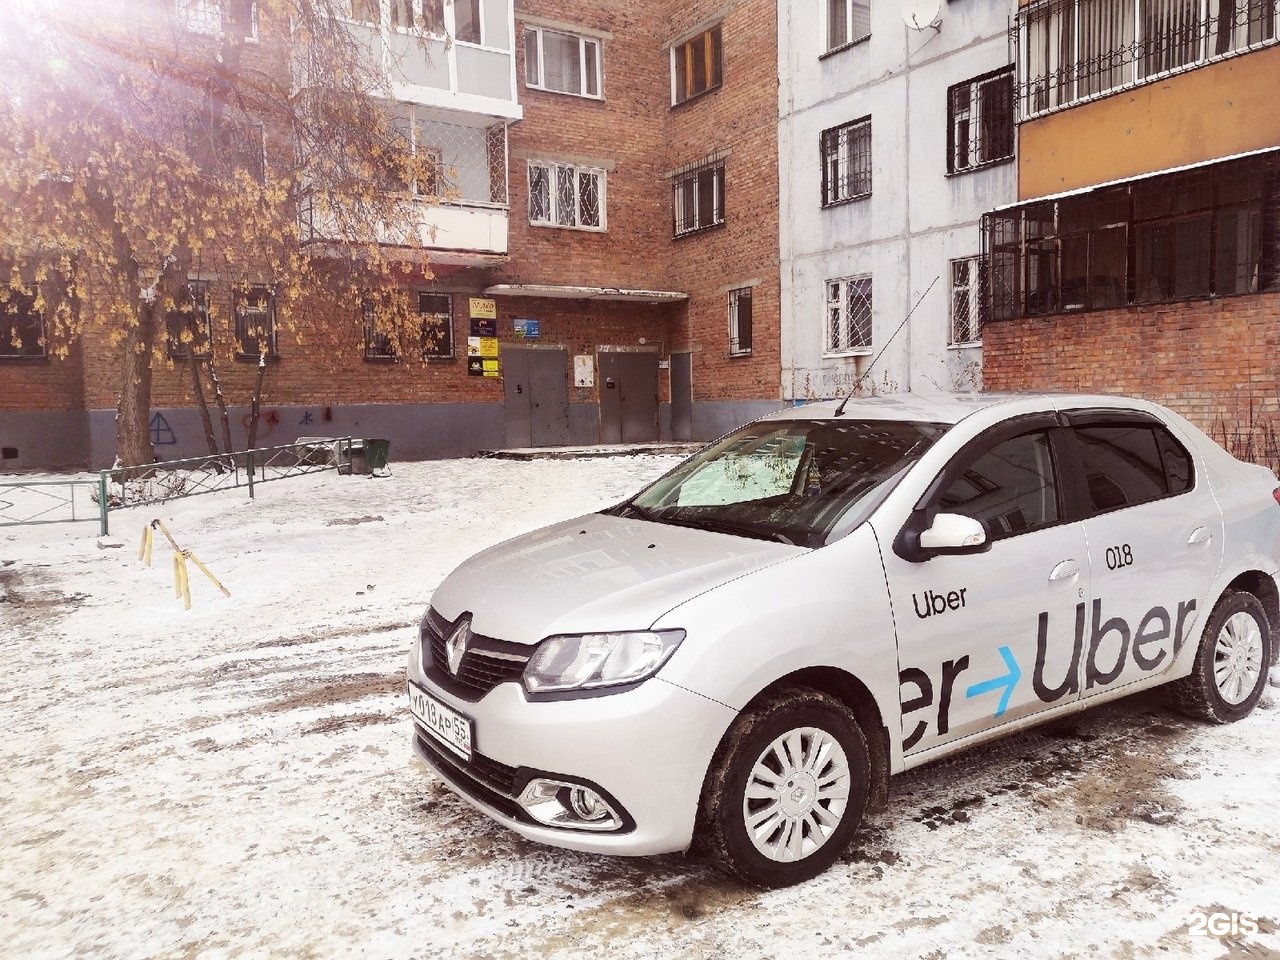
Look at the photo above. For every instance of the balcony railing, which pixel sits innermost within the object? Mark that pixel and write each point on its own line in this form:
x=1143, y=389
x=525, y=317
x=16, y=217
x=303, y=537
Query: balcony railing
x=1074, y=50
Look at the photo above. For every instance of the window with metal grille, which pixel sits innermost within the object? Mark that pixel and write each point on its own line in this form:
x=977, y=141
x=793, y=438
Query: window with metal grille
x=848, y=21
x=1070, y=50
x=980, y=121
x=216, y=17
x=255, y=316
x=740, y=322
x=412, y=164
x=561, y=195
x=21, y=326
x=226, y=145
x=188, y=330
x=695, y=66
x=435, y=314
x=697, y=196
x=1207, y=231
x=848, y=327
x=846, y=162
x=378, y=344
x=561, y=62
x=968, y=300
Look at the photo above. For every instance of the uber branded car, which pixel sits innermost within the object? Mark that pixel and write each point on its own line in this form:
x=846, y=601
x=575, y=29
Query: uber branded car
x=744, y=652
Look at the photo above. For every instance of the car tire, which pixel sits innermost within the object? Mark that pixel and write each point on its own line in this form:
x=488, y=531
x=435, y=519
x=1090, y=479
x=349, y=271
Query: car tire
x=764, y=772
x=1231, y=665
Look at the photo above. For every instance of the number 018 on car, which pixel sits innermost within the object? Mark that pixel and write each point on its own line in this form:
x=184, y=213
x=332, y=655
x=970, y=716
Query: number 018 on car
x=448, y=726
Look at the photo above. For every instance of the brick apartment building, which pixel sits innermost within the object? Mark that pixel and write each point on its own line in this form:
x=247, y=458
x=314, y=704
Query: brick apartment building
x=603, y=259
x=1143, y=253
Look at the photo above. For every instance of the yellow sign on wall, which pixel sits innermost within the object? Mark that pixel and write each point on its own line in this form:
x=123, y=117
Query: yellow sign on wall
x=483, y=308
x=482, y=347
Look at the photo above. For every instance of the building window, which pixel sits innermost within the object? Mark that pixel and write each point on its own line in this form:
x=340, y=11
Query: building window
x=378, y=344
x=466, y=21
x=980, y=121
x=848, y=21
x=435, y=313
x=848, y=315
x=566, y=196
x=214, y=18
x=21, y=326
x=695, y=66
x=697, y=196
x=1208, y=231
x=188, y=330
x=1070, y=50
x=561, y=62
x=412, y=165
x=846, y=162
x=255, y=316
x=227, y=145
x=740, y=322
x=968, y=280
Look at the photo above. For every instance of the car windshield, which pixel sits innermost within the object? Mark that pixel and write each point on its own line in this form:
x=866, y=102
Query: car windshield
x=804, y=482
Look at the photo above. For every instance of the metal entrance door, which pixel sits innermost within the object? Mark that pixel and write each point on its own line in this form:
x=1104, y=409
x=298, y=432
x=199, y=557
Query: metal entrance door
x=682, y=396
x=536, y=389
x=628, y=397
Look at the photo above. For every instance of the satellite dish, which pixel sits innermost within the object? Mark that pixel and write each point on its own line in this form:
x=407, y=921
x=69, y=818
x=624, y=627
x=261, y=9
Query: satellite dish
x=919, y=14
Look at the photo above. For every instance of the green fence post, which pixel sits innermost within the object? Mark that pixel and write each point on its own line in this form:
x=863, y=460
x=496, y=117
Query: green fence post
x=250, y=467
x=102, y=503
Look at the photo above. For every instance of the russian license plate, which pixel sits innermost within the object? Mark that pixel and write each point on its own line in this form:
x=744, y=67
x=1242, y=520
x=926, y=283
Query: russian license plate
x=444, y=723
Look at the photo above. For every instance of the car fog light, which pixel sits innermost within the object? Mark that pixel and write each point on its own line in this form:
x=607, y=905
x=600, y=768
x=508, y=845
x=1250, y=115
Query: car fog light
x=570, y=806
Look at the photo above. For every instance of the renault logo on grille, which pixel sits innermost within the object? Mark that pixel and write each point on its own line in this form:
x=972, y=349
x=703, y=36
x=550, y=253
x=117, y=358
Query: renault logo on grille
x=456, y=646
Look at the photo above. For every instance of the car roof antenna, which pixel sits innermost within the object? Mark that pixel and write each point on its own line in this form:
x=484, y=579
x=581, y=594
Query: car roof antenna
x=857, y=383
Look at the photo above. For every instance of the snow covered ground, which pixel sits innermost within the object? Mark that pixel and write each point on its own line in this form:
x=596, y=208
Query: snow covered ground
x=236, y=780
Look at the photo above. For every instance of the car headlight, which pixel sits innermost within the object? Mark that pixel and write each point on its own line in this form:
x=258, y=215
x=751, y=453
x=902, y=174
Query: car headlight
x=593, y=660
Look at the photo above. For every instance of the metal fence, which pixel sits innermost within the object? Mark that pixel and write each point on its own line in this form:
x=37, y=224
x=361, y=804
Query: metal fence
x=55, y=501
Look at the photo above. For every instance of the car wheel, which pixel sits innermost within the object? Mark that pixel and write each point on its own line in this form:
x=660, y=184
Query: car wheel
x=1231, y=665
x=786, y=790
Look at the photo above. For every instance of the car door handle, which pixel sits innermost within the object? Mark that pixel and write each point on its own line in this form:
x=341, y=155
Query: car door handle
x=1067, y=570
x=1198, y=536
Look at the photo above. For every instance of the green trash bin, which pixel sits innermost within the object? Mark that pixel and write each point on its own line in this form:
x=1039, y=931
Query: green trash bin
x=377, y=453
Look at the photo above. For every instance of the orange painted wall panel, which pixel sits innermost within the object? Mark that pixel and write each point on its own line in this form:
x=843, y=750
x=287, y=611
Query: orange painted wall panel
x=1224, y=108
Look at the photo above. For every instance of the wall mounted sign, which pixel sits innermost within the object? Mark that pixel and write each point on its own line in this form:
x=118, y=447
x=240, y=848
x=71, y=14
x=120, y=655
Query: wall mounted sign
x=484, y=328
x=484, y=307
x=482, y=347
x=527, y=329
x=584, y=370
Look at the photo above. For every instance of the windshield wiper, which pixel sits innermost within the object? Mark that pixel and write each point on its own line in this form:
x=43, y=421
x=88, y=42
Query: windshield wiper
x=739, y=529
x=640, y=512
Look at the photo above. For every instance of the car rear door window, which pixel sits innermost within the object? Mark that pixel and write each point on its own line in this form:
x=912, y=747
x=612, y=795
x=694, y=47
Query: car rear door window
x=1009, y=488
x=1127, y=464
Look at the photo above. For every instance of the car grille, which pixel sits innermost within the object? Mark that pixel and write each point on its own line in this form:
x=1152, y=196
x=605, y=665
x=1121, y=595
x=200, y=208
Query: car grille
x=487, y=662
x=480, y=778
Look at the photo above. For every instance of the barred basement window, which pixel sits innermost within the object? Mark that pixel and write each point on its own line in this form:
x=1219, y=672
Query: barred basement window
x=848, y=21
x=255, y=315
x=980, y=123
x=846, y=162
x=562, y=62
x=698, y=196
x=740, y=322
x=188, y=329
x=21, y=326
x=565, y=196
x=435, y=311
x=695, y=66
x=968, y=300
x=1069, y=50
x=848, y=327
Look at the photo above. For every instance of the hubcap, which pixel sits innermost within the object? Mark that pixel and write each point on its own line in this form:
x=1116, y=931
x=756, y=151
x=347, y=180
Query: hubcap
x=796, y=794
x=1237, y=658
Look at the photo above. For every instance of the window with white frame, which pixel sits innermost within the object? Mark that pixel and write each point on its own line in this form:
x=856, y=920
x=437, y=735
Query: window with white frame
x=848, y=21
x=740, y=322
x=696, y=66
x=562, y=195
x=561, y=62
x=848, y=327
x=466, y=21
x=846, y=162
x=968, y=300
x=980, y=114
x=215, y=17
x=412, y=165
x=698, y=196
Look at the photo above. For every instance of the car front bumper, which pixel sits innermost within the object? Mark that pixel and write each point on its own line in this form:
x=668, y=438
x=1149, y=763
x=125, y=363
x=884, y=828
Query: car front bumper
x=648, y=748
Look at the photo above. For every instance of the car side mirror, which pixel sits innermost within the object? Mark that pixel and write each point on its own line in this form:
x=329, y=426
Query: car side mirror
x=951, y=533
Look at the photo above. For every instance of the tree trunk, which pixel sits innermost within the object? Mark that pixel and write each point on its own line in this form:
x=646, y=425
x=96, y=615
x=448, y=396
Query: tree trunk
x=197, y=387
x=133, y=416
x=255, y=405
x=222, y=407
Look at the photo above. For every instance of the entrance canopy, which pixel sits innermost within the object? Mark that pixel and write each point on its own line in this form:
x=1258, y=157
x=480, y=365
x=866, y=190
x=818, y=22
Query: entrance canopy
x=554, y=291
